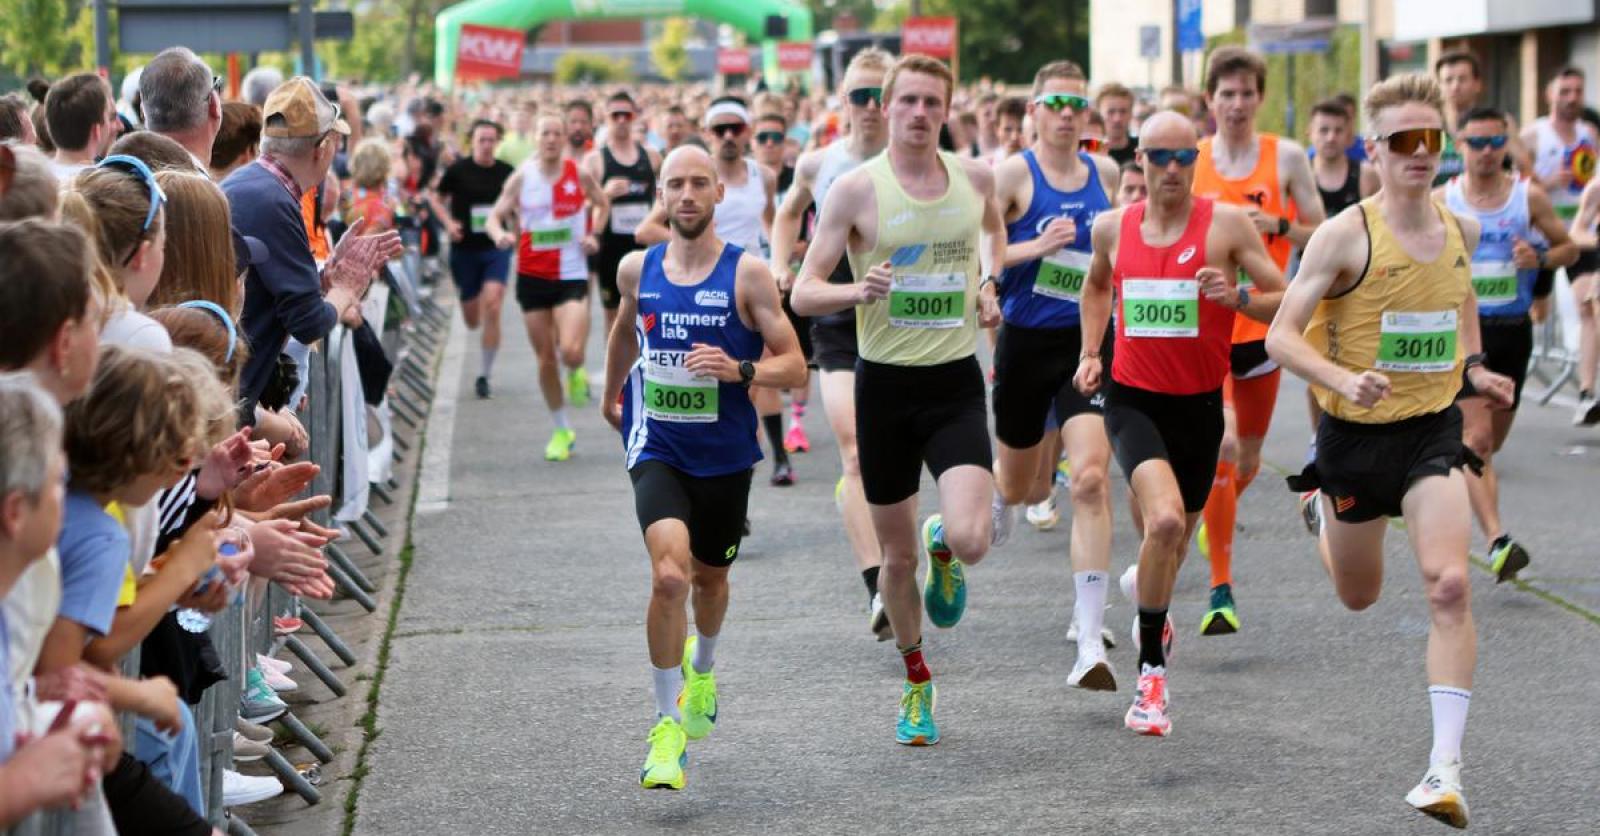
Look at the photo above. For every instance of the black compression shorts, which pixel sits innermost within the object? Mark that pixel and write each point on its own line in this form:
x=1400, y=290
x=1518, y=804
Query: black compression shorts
x=1033, y=369
x=910, y=415
x=1185, y=431
x=712, y=507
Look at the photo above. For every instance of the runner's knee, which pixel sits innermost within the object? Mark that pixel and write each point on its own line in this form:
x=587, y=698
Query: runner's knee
x=1449, y=591
x=1356, y=598
x=1089, y=484
x=1163, y=525
x=669, y=581
x=969, y=542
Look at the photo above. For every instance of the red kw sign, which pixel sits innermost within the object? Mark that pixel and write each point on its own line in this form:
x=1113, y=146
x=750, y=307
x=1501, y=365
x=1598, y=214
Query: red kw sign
x=733, y=61
x=933, y=36
x=794, y=57
x=485, y=52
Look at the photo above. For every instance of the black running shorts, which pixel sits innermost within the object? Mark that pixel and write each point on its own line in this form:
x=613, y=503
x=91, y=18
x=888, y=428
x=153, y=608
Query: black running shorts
x=1185, y=431
x=802, y=330
x=536, y=294
x=604, y=265
x=833, y=345
x=712, y=507
x=1033, y=369
x=1507, y=346
x=910, y=415
x=1366, y=469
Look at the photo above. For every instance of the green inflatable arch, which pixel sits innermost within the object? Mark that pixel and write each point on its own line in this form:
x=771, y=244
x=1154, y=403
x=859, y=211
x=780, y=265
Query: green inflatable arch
x=749, y=16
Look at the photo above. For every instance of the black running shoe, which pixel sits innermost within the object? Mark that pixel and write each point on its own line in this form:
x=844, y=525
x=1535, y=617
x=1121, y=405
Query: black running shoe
x=482, y=388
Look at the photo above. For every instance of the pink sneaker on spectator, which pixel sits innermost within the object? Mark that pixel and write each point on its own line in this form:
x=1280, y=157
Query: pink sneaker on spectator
x=283, y=625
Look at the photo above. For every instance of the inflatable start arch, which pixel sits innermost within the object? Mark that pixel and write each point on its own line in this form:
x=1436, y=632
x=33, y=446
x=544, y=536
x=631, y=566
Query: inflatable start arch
x=748, y=16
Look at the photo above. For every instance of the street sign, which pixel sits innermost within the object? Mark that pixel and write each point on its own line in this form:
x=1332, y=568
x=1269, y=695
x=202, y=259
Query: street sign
x=487, y=52
x=795, y=56
x=1150, y=42
x=204, y=25
x=1190, y=36
x=932, y=36
x=733, y=61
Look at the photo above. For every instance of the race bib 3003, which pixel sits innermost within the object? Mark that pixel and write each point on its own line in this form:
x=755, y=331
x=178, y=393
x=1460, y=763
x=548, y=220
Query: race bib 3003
x=674, y=394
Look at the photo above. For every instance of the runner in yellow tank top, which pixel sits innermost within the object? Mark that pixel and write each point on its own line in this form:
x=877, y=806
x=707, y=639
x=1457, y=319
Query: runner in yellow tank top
x=1271, y=178
x=1381, y=320
x=910, y=221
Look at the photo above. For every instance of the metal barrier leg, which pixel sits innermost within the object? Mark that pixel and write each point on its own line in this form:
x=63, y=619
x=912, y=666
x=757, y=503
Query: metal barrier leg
x=312, y=743
x=373, y=545
x=400, y=446
x=417, y=385
x=314, y=664
x=291, y=779
x=237, y=827
x=349, y=567
x=372, y=522
x=379, y=491
x=349, y=587
x=329, y=638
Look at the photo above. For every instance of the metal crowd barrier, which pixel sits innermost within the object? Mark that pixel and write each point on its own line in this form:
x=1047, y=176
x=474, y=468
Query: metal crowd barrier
x=245, y=628
x=1555, y=343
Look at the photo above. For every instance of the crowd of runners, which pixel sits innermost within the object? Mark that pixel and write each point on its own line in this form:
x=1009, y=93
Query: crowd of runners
x=1145, y=270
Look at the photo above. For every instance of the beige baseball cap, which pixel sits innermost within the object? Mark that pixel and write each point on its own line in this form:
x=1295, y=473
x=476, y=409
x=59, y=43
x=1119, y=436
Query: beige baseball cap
x=298, y=109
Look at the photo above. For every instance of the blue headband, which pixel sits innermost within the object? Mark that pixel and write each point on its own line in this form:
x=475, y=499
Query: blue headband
x=214, y=308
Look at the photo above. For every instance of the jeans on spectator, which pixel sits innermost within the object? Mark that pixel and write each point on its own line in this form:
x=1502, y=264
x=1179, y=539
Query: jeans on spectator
x=173, y=759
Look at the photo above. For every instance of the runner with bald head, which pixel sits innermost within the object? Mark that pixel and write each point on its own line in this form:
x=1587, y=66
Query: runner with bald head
x=694, y=317
x=1172, y=262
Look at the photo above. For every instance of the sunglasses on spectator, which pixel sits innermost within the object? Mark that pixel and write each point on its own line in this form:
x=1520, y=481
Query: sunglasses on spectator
x=770, y=138
x=1481, y=143
x=1163, y=157
x=217, y=83
x=142, y=173
x=1057, y=102
x=1408, y=141
x=1091, y=144
x=729, y=130
x=621, y=116
x=861, y=95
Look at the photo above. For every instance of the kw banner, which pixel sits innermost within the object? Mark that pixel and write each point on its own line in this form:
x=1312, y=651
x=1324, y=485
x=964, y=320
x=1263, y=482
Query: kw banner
x=733, y=61
x=489, y=53
x=794, y=56
x=932, y=36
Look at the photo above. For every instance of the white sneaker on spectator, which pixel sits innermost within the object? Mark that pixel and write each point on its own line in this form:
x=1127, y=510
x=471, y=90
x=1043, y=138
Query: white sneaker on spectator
x=269, y=663
x=238, y=790
x=245, y=749
x=278, y=682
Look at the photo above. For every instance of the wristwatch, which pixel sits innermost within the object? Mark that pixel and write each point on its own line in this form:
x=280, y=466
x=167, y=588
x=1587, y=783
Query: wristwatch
x=747, y=373
x=1283, y=226
x=1474, y=360
x=1244, y=298
x=994, y=280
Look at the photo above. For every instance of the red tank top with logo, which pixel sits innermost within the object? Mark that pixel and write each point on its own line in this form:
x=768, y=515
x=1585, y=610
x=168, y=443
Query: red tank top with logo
x=1169, y=338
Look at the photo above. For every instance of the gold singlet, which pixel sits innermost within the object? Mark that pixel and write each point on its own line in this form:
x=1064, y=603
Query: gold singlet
x=1401, y=320
x=930, y=316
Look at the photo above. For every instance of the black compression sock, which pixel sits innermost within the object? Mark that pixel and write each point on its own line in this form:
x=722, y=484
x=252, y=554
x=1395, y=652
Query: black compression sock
x=774, y=427
x=1151, y=625
x=870, y=576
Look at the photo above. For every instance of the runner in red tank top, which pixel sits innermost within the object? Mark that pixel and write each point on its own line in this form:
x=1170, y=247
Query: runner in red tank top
x=1172, y=261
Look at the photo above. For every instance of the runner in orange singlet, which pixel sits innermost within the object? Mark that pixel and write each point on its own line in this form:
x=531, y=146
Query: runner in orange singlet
x=1271, y=178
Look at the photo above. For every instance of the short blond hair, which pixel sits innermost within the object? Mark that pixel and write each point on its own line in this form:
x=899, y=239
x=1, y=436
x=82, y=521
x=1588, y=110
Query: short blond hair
x=145, y=413
x=371, y=163
x=1057, y=69
x=1404, y=89
x=919, y=64
x=871, y=59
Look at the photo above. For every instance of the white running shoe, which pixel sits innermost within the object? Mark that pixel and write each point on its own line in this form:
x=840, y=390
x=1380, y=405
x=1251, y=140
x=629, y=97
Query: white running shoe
x=1044, y=515
x=1148, y=714
x=1005, y=519
x=269, y=663
x=240, y=789
x=1092, y=672
x=1129, y=583
x=1107, y=636
x=1440, y=794
x=1130, y=590
x=1587, y=413
x=878, y=618
x=278, y=682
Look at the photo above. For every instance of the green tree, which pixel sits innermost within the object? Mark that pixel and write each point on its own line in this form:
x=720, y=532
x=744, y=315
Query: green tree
x=34, y=36
x=1008, y=39
x=670, y=52
x=824, y=11
x=575, y=67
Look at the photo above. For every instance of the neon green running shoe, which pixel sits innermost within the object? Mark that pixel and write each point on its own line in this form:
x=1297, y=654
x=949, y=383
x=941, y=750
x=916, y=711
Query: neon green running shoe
x=560, y=447
x=838, y=494
x=697, y=702
x=663, y=767
x=578, y=387
x=1507, y=557
x=944, y=590
x=1202, y=542
x=916, y=726
x=1220, y=619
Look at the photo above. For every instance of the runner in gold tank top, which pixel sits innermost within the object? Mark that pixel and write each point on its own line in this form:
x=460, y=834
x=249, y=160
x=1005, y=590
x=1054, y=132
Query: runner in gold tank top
x=910, y=221
x=1381, y=320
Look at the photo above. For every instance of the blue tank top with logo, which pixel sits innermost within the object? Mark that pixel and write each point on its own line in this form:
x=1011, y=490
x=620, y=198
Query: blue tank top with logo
x=1045, y=293
x=1502, y=289
x=699, y=425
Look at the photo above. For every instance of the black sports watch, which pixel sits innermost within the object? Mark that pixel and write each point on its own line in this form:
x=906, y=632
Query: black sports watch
x=1283, y=226
x=747, y=373
x=1474, y=360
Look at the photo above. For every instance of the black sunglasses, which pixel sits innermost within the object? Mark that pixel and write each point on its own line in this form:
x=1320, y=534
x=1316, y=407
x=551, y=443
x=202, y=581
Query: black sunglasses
x=217, y=83
x=861, y=95
x=725, y=131
x=769, y=138
x=1163, y=157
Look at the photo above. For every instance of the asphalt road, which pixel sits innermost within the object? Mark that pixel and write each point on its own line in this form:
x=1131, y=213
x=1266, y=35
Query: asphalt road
x=517, y=695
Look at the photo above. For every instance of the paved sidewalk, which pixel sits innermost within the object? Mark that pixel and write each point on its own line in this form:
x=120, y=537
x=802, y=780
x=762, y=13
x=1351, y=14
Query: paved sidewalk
x=518, y=691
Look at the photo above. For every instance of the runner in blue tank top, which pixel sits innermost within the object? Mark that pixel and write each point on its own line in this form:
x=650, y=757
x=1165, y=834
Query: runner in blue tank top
x=1050, y=195
x=1521, y=236
x=694, y=317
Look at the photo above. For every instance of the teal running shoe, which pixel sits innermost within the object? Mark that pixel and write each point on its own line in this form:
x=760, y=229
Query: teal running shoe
x=916, y=726
x=944, y=591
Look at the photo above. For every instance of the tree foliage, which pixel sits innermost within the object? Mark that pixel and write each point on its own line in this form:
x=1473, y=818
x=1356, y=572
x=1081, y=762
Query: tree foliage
x=373, y=53
x=670, y=51
x=574, y=67
x=34, y=37
x=824, y=11
x=1008, y=40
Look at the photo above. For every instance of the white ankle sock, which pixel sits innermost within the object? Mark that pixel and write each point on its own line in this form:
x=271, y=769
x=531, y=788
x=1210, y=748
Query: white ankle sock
x=705, y=652
x=1449, y=721
x=488, y=361
x=559, y=416
x=1090, y=607
x=668, y=683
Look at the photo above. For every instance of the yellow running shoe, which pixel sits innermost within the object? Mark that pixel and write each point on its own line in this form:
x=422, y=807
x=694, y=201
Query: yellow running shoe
x=697, y=702
x=578, y=387
x=560, y=447
x=663, y=767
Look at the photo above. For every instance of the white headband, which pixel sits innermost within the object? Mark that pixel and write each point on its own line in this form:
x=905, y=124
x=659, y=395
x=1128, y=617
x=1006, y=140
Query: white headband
x=727, y=109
